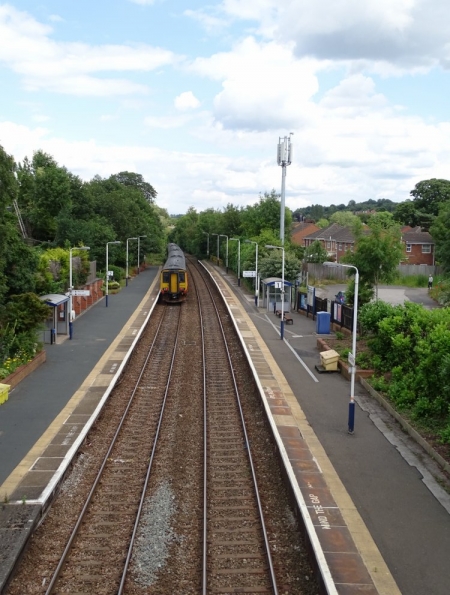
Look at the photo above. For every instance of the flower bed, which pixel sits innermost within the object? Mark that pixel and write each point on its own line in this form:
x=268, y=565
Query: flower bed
x=22, y=371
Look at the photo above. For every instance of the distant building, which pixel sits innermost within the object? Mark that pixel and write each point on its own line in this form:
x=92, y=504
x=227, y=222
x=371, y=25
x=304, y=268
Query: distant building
x=337, y=240
x=302, y=229
x=419, y=246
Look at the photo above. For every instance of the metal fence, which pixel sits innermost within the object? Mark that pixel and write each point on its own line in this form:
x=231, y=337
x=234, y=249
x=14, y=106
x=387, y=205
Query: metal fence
x=339, y=313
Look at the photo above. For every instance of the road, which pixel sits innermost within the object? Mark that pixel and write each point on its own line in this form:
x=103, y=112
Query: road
x=393, y=294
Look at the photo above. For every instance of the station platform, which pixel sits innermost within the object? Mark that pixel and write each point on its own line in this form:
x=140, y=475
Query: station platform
x=374, y=505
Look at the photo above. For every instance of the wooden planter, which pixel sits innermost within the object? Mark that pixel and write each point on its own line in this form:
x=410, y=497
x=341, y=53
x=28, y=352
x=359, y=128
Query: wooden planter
x=23, y=371
x=343, y=365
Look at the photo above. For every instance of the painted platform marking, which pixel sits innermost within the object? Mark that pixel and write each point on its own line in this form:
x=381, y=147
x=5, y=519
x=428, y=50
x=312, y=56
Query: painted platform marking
x=319, y=510
x=113, y=368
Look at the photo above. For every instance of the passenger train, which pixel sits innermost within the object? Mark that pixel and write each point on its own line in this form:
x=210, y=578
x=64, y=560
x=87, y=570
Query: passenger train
x=174, y=277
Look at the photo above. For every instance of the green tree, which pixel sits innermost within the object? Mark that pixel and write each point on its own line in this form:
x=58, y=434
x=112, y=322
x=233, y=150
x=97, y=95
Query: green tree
x=271, y=265
x=377, y=255
x=8, y=193
x=429, y=195
x=441, y=234
x=137, y=181
x=344, y=218
x=315, y=252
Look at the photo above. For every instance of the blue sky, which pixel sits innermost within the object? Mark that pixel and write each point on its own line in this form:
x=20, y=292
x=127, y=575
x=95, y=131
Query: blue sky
x=195, y=96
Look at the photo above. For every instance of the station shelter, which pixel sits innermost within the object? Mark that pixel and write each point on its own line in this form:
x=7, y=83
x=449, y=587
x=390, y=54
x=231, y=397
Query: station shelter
x=272, y=294
x=58, y=321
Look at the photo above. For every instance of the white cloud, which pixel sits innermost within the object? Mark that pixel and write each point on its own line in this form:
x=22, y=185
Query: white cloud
x=408, y=33
x=263, y=85
x=68, y=67
x=186, y=101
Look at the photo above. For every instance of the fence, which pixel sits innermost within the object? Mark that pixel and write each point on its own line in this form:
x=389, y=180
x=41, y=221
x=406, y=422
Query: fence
x=339, y=313
x=341, y=273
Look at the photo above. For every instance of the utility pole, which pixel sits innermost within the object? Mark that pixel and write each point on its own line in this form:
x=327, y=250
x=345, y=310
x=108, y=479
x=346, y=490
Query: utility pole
x=284, y=158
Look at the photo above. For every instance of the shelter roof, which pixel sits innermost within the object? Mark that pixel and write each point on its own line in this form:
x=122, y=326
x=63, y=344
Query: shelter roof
x=272, y=280
x=54, y=299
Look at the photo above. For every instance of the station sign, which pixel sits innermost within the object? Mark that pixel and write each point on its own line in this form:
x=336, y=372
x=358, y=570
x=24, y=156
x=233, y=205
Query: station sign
x=249, y=273
x=351, y=359
x=79, y=292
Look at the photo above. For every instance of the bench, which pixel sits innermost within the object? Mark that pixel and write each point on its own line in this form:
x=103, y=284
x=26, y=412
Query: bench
x=288, y=319
x=278, y=313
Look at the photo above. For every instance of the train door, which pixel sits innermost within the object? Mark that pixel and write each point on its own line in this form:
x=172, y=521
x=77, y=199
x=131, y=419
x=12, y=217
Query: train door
x=174, y=283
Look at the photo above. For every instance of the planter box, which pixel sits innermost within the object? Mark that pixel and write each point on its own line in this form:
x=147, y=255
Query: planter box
x=23, y=371
x=342, y=365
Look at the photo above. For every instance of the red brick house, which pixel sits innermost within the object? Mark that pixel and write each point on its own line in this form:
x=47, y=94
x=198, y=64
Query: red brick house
x=302, y=229
x=337, y=240
x=419, y=246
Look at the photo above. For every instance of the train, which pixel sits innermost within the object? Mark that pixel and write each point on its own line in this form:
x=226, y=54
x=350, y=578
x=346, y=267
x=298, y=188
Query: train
x=173, y=285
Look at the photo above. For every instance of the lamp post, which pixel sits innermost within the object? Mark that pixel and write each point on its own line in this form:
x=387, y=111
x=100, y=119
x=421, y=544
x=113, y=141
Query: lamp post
x=139, y=250
x=71, y=287
x=218, y=258
x=126, y=273
x=351, y=356
x=256, y=271
x=284, y=158
x=107, y=266
x=239, y=259
x=282, y=289
x=226, y=253
x=207, y=242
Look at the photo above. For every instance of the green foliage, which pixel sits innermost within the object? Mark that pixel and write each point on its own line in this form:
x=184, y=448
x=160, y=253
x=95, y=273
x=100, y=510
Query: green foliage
x=411, y=344
x=429, y=195
x=316, y=252
x=441, y=235
x=371, y=314
x=119, y=273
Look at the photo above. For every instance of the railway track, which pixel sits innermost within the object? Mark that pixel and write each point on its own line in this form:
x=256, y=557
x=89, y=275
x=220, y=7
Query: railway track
x=236, y=552
x=94, y=562
x=192, y=522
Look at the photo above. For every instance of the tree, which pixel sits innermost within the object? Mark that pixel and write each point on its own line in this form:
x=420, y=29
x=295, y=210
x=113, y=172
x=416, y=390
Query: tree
x=377, y=255
x=8, y=192
x=429, y=195
x=344, y=218
x=440, y=232
x=271, y=265
x=137, y=181
x=315, y=252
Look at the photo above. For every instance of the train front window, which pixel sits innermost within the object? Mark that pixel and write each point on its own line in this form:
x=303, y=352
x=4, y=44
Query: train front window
x=181, y=277
x=166, y=277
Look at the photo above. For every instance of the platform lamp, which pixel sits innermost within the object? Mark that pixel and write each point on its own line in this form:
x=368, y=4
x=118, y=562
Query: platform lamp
x=282, y=289
x=256, y=271
x=126, y=272
x=218, y=257
x=107, y=267
x=351, y=356
x=207, y=242
x=139, y=250
x=71, y=288
x=226, y=253
x=239, y=259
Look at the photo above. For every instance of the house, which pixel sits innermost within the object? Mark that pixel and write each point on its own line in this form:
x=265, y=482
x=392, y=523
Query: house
x=419, y=246
x=337, y=240
x=302, y=229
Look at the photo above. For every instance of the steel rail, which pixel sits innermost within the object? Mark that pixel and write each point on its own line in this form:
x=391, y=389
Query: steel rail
x=150, y=465
x=52, y=584
x=247, y=443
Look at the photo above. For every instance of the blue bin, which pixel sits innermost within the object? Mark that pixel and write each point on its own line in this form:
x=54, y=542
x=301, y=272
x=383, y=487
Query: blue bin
x=323, y=323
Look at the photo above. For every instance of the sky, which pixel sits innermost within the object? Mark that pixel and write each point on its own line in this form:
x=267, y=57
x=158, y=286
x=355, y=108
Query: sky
x=195, y=96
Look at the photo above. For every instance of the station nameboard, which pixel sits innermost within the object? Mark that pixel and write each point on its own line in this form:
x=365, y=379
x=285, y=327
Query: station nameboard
x=249, y=273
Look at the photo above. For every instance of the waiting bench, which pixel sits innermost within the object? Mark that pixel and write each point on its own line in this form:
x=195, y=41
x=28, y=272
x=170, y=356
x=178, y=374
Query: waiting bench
x=287, y=317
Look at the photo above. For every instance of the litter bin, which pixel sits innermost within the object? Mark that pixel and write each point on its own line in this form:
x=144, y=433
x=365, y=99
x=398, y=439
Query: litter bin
x=323, y=323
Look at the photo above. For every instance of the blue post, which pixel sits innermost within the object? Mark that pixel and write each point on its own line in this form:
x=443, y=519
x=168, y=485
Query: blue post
x=282, y=330
x=106, y=300
x=351, y=416
x=70, y=330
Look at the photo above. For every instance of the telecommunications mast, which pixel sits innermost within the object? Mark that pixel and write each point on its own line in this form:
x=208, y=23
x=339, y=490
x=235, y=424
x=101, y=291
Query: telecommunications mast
x=284, y=158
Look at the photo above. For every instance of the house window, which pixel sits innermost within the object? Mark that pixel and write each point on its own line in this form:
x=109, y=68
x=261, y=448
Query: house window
x=340, y=248
x=426, y=248
x=408, y=247
x=328, y=245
